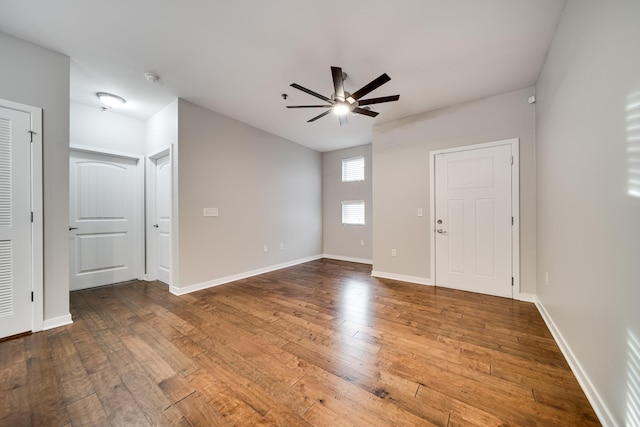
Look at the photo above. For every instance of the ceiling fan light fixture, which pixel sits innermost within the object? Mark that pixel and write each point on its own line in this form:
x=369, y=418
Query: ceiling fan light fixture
x=110, y=100
x=341, y=109
x=341, y=102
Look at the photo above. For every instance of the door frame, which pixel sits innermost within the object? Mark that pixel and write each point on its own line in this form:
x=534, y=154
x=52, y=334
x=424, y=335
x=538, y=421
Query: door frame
x=139, y=207
x=152, y=262
x=515, y=205
x=37, y=194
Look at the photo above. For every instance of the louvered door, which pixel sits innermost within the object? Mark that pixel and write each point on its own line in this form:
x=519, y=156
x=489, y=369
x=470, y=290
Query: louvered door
x=15, y=223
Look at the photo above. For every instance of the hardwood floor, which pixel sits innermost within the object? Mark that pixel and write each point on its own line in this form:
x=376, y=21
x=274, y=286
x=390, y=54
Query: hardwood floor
x=322, y=343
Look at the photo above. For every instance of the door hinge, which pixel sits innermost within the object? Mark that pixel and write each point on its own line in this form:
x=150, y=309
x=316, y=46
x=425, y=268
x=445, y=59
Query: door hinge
x=511, y=160
x=512, y=281
x=31, y=296
x=31, y=216
x=511, y=220
x=31, y=133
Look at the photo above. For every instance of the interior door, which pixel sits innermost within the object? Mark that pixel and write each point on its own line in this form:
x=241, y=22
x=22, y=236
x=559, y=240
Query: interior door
x=162, y=224
x=15, y=222
x=102, y=227
x=473, y=220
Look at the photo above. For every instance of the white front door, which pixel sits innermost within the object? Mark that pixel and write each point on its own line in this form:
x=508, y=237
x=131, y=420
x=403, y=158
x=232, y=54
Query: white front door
x=473, y=220
x=15, y=222
x=103, y=222
x=162, y=218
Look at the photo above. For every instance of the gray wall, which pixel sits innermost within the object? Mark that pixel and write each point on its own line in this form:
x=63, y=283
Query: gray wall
x=338, y=240
x=588, y=216
x=267, y=189
x=161, y=129
x=106, y=130
x=401, y=178
x=39, y=77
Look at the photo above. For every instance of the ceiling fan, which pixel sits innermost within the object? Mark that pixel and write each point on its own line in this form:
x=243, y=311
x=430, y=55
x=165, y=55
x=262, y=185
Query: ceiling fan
x=342, y=102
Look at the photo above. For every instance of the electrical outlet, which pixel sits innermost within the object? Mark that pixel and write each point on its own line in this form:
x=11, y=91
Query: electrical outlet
x=393, y=252
x=546, y=277
x=210, y=212
x=266, y=248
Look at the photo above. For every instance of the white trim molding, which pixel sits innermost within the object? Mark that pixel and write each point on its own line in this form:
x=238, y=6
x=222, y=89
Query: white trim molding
x=108, y=152
x=221, y=281
x=402, y=278
x=527, y=297
x=348, y=259
x=56, y=322
x=603, y=413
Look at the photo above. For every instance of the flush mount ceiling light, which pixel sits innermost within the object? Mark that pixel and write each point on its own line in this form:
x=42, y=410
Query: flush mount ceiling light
x=110, y=100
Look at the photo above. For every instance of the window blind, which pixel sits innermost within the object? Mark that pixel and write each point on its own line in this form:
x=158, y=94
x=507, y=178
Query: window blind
x=353, y=169
x=353, y=212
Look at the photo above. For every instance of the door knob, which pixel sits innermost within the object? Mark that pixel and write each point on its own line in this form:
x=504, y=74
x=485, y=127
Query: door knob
x=73, y=228
x=441, y=231
x=155, y=225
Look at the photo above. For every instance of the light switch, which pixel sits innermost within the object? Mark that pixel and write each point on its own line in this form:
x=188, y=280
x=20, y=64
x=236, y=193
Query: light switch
x=210, y=212
x=420, y=212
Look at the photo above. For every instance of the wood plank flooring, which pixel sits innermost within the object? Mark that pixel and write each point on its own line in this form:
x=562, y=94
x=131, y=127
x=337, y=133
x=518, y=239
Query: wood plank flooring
x=322, y=344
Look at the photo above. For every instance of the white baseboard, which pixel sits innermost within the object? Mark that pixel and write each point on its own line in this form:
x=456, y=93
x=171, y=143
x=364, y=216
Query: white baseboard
x=603, y=413
x=527, y=297
x=402, y=278
x=221, y=281
x=56, y=322
x=349, y=259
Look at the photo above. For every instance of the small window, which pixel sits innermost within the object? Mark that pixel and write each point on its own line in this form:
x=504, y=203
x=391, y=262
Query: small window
x=353, y=169
x=353, y=212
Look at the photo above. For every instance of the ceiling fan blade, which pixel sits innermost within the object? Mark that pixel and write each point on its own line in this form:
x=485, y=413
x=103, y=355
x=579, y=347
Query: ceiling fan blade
x=310, y=92
x=375, y=84
x=338, y=82
x=309, y=106
x=379, y=100
x=319, y=116
x=343, y=120
x=365, y=112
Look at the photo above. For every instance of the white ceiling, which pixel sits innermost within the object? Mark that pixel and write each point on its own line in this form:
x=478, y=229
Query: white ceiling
x=237, y=57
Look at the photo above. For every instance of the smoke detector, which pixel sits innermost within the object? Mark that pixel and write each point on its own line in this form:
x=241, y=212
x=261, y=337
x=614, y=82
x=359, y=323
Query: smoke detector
x=151, y=77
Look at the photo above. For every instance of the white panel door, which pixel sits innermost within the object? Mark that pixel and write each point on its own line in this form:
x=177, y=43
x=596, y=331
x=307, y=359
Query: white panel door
x=162, y=224
x=102, y=227
x=473, y=220
x=15, y=222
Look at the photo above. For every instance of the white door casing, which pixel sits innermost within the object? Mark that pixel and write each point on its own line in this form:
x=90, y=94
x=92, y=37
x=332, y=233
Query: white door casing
x=162, y=218
x=472, y=223
x=105, y=194
x=20, y=219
